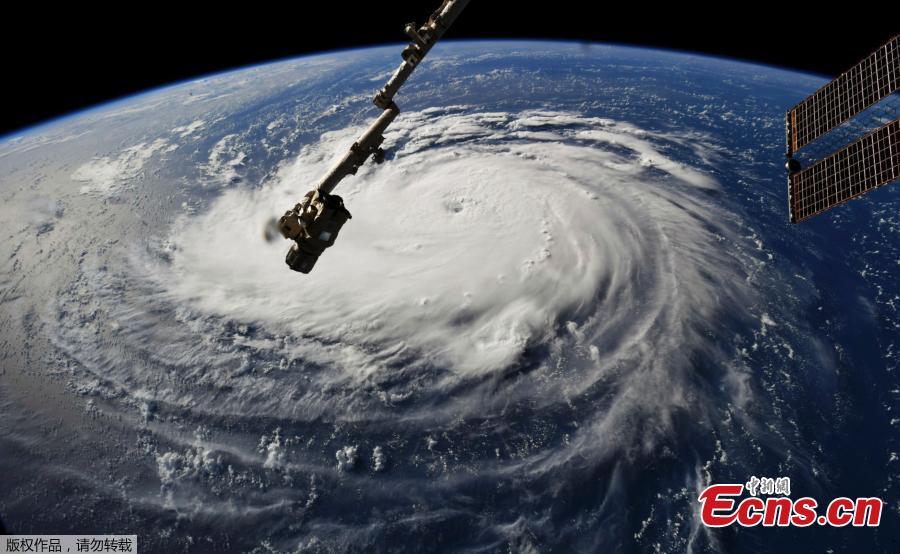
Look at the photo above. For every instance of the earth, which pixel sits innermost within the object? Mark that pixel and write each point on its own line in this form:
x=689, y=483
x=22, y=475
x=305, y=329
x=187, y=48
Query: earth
x=568, y=300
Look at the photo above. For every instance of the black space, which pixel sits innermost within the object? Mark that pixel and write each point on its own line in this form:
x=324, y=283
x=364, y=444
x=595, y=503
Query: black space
x=62, y=59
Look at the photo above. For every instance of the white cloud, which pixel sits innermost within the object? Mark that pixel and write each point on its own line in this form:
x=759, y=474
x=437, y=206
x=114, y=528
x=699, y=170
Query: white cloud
x=105, y=175
x=184, y=131
x=226, y=161
x=347, y=457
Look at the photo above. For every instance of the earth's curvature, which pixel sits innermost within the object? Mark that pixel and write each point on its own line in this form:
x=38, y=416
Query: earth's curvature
x=568, y=300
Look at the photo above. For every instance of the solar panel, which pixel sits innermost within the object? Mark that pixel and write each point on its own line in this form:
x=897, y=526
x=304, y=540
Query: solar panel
x=865, y=164
x=863, y=85
x=834, y=115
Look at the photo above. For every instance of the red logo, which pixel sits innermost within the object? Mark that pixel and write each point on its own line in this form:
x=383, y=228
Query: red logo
x=721, y=505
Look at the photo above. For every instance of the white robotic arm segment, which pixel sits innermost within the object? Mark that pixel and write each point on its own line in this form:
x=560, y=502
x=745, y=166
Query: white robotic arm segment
x=422, y=41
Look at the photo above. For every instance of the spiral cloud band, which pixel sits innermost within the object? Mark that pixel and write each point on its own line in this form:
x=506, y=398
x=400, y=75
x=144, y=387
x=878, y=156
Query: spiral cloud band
x=483, y=235
x=517, y=295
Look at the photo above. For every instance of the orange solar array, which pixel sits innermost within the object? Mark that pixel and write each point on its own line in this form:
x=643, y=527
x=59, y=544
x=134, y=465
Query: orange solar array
x=859, y=167
x=866, y=163
x=861, y=86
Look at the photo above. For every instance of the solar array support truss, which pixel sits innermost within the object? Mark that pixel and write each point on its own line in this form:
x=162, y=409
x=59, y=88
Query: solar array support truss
x=865, y=164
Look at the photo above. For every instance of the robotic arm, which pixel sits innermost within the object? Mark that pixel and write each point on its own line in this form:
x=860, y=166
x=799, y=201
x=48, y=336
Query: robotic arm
x=313, y=224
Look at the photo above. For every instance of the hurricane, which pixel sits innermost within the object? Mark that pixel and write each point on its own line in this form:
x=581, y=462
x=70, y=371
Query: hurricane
x=516, y=294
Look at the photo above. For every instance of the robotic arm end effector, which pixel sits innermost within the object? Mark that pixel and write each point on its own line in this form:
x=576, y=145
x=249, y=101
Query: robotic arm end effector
x=313, y=225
